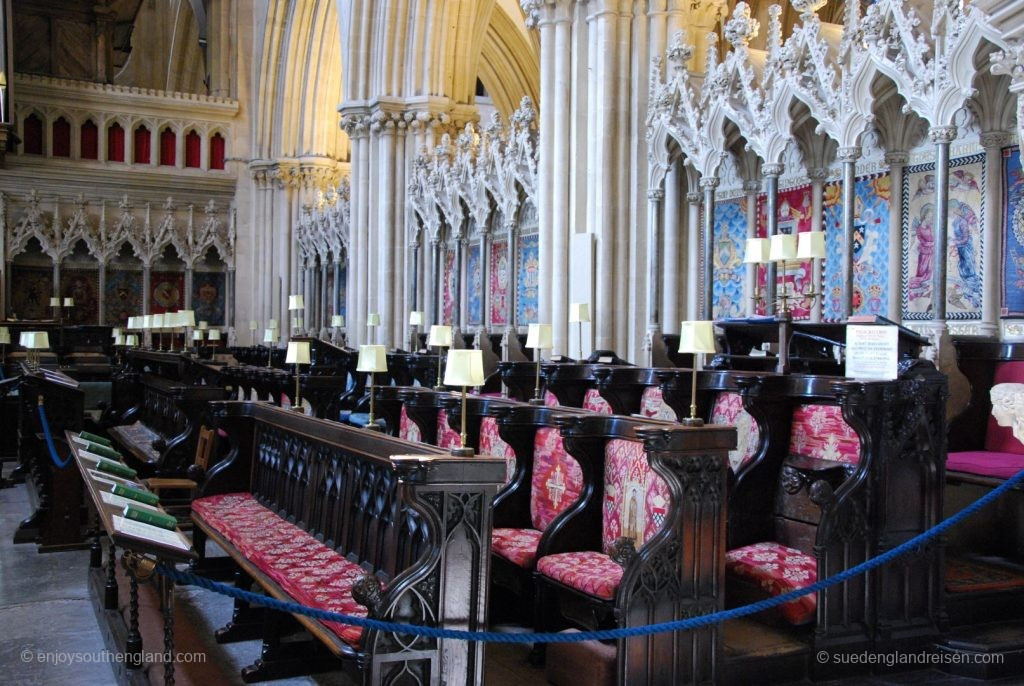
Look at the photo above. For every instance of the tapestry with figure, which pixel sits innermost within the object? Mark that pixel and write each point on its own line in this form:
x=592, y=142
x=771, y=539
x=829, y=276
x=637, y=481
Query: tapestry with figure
x=448, y=288
x=83, y=286
x=529, y=279
x=499, y=278
x=730, y=239
x=870, y=247
x=31, y=290
x=474, y=294
x=167, y=292
x=1013, y=234
x=964, y=283
x=793, y=277
x=123, y=296
x=208, y=297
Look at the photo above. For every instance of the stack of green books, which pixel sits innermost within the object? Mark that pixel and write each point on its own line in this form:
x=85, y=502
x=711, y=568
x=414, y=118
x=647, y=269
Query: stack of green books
x=164, y=521
x=115, y=468
x=136, y=494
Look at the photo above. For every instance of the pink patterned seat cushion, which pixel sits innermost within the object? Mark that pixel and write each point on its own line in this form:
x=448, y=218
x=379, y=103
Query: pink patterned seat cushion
x=556, y=481
x=777, y=569
x=1000, y=439
x=447, y=437
x=550, y=399
x=407, y=428
x=636, y=499
x=310, y=572
x=491, y=443
x=518, y=546
x=593, y=401
x=986, y=463
x=820, y=431
x=653, y=405
x=588, y=571
x=728, y=409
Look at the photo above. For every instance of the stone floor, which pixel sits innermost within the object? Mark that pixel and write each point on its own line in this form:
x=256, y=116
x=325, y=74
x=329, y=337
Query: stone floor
x=45, y=608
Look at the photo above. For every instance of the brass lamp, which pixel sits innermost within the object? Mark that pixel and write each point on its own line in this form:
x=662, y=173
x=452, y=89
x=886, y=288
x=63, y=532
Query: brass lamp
x=254, y=326
x=538, y=337
x=213, y=337
x=131, y=340
x=811, y=246
x=415, y=322
x=5, y=340
x=440, y=336
x=464, y=368
x=372, y=359
x=34, y=341
x=186, y=320
x=337, y=322
x=158, y=323
x=269, y=337
x=757, y=251
x=697, y=337
x=296, y=303
x=372, y=322
x=783, y=249
x=579, y=313
x=55, y=304
x=298, y=353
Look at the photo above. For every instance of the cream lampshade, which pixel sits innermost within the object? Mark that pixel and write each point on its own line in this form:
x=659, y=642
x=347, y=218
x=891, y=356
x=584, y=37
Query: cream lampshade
x=811, y=245
x=119, y=339
x=158, y=321
x=54, y=302
x=5, y=336
x=115, y=332
x=296, y=302
x=579, y=312
x=372, y=359
x=697, y=337
x=271, y=324
x=440, y=336
x=538, y=336
x=416, y=318
x=254, y=325
x=131, y=340
x=203, y=326
x=464, y=368
x=131, y=323
x=23, y=339
x=782, y=247
x=186, y=318
x=197, y=335
x=373, y=319
x=298, y=352
x=38, y=340
x=147, y=322
x=69, y=302
x=757, y=251
x=269, y=335
x=337, y=320
x=213, y=335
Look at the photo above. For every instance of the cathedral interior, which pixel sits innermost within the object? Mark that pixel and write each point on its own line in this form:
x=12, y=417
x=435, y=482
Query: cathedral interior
x=520, y=316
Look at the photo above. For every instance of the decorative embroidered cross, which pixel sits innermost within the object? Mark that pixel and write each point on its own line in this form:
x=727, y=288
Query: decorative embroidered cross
x=556, y=486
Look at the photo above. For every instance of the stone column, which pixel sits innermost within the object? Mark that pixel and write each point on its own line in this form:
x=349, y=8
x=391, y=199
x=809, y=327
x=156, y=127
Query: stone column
x=655, y=196
x=188, y=284
x=513, y=290
x=992, y=142
x=336, y=290
x=817, y=219
x=460, y=258
x=485, y=278
x=848, y=156
x=941, y=136
x=436, y=312
x=672, y=241
x=322, y=319
x=771, y=173
x=229, y=300
x=545, y=167
x=147, y=288
x=750, y=189
x=561, y=107
x=692, y=255
x=708, y=184
x=896, y=160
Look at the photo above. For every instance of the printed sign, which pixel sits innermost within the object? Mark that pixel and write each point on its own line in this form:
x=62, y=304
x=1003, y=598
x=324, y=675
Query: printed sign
x=871, y=352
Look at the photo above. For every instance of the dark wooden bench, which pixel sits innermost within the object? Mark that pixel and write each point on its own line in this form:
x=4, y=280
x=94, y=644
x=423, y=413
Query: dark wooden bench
x=160, y=431
x=398, y=531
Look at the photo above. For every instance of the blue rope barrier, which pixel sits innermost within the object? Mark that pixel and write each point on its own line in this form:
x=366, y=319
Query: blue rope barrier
x=605, y=634
x=61, y=464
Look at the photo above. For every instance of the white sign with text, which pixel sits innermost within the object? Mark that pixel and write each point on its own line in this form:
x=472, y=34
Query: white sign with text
x=872, y=351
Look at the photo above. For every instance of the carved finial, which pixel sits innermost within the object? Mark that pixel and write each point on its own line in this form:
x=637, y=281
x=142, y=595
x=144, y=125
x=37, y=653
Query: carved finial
x=808, y=9
x=679, y=53
x=711, y=57
x=742, y=27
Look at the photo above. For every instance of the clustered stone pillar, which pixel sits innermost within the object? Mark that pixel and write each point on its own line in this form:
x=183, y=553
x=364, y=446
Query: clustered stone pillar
x=848, y=156
x=817, y=217
x=941, y=136
x=992, y=142
x=708, y=184
x=896, y=160
x=750, y=189
x=693, y=228
x=771, y=173
x=655, y=196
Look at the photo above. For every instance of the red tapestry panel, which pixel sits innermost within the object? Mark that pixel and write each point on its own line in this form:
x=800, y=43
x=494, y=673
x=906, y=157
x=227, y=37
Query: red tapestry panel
x=167, y=292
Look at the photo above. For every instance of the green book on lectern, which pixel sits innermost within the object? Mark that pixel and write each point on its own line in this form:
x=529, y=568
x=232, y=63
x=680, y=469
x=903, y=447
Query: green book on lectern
x=135, y=494
x=93, y=438
x=164, y=521
x=116, y=468
x=103, y=451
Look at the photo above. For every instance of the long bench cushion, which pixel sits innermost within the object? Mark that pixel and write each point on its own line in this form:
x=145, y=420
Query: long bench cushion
x=588, y=571
x=777, y=569
x=820, y=431
x=653, y=405
x=986, y=463
x=635, y=498
x=407, y=428
x=556, y=481
x=447, y=437
x=593, y=401
x=1000, y=439
x=306, y=569
x=728, y=409
x=491, y=443
x=518, y=546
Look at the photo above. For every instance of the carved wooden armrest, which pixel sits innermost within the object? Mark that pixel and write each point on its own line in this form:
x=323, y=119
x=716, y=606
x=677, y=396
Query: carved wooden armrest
x=622, y=550
x=368, y=592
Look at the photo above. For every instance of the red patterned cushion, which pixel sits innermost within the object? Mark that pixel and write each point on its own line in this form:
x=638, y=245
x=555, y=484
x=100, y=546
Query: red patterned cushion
x=777, y=569
x=310, y=572
x=492, y=444
x=986, y=463
x=588, y=571
x=595, y=403
x=1000, y=439
x=550, y=400
x=556, y=481
x=820, y=431
x=653, y=405
x=635, y=498
x=447, y=437
x=518, y=546
x=407, y=428
x=728, y=409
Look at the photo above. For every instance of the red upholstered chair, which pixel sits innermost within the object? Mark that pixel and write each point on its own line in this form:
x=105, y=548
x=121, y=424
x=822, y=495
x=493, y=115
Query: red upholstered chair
x=593, y=402
x=1002, y=455
x=653, y=405
x=408, y=429
x=728, y=409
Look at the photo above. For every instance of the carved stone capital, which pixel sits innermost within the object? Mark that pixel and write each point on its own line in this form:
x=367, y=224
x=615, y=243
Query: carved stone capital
x=693, y=197
x=993, y=139
x=896, y=158
x=709, y=182
x=752, y=186
x=849, y=154
x=1011, y=63
x=942, y=134
x=655, y=194
x=773, y=169
x=817, y=174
